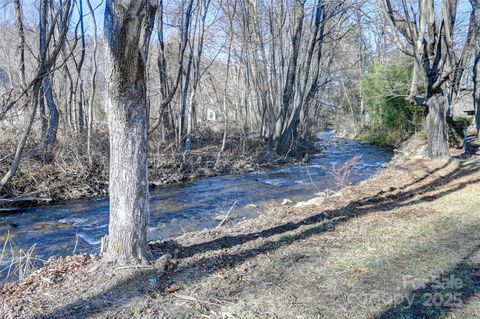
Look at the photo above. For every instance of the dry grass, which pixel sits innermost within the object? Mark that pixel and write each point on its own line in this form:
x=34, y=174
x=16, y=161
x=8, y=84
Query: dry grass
x=20, y=263
x=341, y=173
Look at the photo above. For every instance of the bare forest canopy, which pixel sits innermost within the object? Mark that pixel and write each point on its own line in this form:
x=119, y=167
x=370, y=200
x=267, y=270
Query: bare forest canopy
x=271, y=71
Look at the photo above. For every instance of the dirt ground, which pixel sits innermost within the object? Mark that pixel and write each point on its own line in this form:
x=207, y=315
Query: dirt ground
x=403, y=244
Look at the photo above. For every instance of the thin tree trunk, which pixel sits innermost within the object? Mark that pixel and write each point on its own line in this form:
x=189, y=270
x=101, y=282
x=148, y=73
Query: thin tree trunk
x=225, y=111
x=47, y=95
x=42, y=113
x=289, y=90
x=79, y=66
x=21, y=45
x=197, y=74
x=93, y=86
x=189, y=99
x=476, y=90
x=45, y=64
x=23, y=141
x=476, y=67
x=183, y=101
x=51, y=136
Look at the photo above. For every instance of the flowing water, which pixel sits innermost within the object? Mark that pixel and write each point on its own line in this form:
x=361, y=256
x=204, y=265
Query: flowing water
x=59, y=229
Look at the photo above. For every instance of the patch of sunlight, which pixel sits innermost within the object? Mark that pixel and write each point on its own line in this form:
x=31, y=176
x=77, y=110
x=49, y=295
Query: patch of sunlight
x=371, y=272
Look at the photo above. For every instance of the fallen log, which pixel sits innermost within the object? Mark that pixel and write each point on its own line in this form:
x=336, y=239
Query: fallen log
x=9, y=210
x=8, y=203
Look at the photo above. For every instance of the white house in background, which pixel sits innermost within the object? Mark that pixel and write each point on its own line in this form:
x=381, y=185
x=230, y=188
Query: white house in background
x=463, y=105
x=211, y=115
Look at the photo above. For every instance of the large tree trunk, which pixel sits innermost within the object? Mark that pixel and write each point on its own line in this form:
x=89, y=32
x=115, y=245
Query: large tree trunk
x=128, y=25
x=430, y=37
x=436, y=130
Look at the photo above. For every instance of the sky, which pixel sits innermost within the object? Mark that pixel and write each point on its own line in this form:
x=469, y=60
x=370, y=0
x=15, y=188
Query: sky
x=31, y=14
x=30, y=10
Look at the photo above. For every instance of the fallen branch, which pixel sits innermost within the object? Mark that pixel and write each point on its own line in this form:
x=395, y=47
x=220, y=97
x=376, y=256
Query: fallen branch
x=227, y=216
x=21, y=199
x=193, y=299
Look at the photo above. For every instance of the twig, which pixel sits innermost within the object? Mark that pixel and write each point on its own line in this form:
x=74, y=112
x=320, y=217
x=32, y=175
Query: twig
x=227, y=216
x=190, y=298
x=4, y=249
x=145, y=267
x=76, y=243
x=24, y=199
x=283, y=290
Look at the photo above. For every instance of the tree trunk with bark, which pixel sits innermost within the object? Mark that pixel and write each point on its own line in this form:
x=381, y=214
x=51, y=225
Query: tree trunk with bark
x=46, y=95
x=93, y=82
x=436, y=127
x=430, y=35
x=21, y=45
x=51, y=135
x=476, y=67
x=128, y=26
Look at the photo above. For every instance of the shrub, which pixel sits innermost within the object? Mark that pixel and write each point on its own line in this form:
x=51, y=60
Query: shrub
x=392, y=118
x=456, y=126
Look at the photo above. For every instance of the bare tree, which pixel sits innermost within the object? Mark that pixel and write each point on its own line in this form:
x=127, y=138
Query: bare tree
x=46, y=62
x=79, y=66
x=128, y=27
x=429, y=35
x=202, y=12
x=93, y=80
x=225, y=87
x=21, y=45
x=47, y=94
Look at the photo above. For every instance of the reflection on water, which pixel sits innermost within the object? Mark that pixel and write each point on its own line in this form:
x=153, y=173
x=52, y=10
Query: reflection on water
x=189, y=206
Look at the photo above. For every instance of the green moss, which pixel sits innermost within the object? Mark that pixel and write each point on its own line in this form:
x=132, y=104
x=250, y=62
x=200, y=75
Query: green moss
x=421, y=134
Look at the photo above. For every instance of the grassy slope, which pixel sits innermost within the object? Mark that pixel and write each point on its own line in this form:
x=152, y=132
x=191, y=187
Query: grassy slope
x=354, y=257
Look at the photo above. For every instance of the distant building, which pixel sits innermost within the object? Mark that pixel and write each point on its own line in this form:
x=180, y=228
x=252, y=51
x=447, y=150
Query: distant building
x=4, y=78
x=463, y=105
x=211, y=115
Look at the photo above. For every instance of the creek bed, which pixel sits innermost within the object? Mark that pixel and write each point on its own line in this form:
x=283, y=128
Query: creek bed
x=61, y=228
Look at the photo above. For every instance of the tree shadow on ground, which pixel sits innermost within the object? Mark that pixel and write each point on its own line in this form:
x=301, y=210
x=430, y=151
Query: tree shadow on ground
x=291, y=232
x=383, y=201
x=449, y=291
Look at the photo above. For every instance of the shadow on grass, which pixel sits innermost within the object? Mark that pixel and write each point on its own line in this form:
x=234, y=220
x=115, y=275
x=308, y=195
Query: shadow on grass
x=291, y=232
x=435, y=299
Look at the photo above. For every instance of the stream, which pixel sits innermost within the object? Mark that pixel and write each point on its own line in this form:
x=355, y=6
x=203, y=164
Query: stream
x=60, y=228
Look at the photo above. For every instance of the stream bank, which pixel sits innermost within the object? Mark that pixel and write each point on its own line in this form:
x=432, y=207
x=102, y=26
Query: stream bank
x=347, y=258
x=70, y=177
x=77, y=226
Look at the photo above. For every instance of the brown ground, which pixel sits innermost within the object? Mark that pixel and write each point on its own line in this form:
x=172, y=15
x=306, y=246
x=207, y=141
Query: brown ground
x=359, y=255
